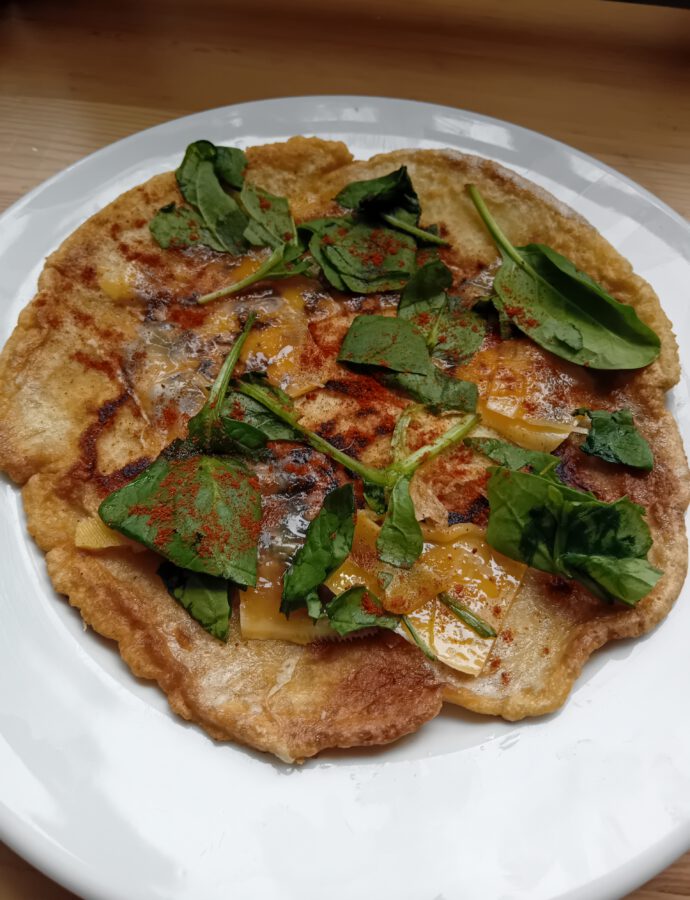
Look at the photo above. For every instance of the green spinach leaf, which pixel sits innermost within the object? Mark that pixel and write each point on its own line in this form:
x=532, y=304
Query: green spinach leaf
x=199, y=512
x=564, y=310
x=391, y=343
x=400, y=540
x=424, y=298
x=327, y=543
x=437, y=390
x=358, y=608
x=270, y=220
x=458, y=333
x=246, y=411
x=555, y=528
x=177, y=227
x=613, y=437
x=221, y=214
x=205, y=598
x=370, y=260
x=392, y=198
x=515, y=458
x=229, y=164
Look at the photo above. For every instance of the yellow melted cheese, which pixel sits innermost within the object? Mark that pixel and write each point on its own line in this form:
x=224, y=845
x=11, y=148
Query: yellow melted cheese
x=457, y=560
x=94, y=534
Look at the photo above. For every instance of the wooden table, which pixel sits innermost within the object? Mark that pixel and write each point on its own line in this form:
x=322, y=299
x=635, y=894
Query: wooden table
x=610, y=78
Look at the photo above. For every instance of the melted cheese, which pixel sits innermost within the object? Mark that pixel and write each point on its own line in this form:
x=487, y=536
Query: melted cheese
x=286, y=346
x=516, y=395
x=457, y=560
x=119, y=284
x=260, y=616
x=94, y=534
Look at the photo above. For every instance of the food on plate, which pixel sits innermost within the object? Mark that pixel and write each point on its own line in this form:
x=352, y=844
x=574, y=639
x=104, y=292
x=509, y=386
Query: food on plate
x=324, y=443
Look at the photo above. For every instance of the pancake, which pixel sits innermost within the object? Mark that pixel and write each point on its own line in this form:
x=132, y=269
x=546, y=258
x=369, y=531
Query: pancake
x=114, y=354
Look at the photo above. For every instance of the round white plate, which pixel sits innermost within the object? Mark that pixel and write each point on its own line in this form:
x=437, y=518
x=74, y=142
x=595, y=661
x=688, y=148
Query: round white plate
x=110, y=794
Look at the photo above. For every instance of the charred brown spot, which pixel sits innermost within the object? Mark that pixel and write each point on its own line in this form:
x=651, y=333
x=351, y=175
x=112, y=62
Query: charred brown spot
x=477, y=513
x=117, y=479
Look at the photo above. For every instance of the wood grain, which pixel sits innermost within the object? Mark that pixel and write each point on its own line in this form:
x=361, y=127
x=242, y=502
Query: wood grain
x=609, y=78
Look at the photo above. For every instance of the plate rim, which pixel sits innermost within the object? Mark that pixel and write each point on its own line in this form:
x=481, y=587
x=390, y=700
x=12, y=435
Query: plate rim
x=37, y=847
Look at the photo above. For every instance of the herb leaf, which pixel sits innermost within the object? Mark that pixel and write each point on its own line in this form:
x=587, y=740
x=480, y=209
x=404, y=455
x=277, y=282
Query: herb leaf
x=370, y=260
x=271, y=223
x=201, y=513
x=204, y=597
x=613, y=437
x=181, y=226
x=515, y=458
x=391, y=197
x=327, y=543
x=229, y=164
x=424, y=297
x=570, y=533
x=358, y=608
x=391, y=343
x=400, y=540
x=435, y=389
x=458, y=333
x=244, y=410
x=222, y=216
x=563, y=309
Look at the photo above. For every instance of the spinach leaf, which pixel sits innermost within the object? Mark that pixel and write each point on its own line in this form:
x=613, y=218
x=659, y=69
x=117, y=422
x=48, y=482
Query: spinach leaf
x=370, y=260
x=270, y=220
x=424, y=298
x=327, y=543
x=203, y=427
x=570, y=533
x=181, y=226
x=476, y=623
x=204, y=597
x=392, y=198
x=458, y=333
x=375, y=497
x=435, y=389
x=229, y=164
x=222, y=216
x=358, y=608
x=613, y=437
x=201, y=513
x=385, y=341
x=564, y=310
x=240, y=409
x=400, y=540
x=322, y=231
x=515, y=458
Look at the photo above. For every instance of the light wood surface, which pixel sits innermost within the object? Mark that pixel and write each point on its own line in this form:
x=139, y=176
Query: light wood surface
x=610, y=78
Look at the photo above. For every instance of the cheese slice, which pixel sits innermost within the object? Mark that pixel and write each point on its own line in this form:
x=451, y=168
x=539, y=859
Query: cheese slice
x=517, y=388
x=456, y=559
x=94, y=534
x=260, y=616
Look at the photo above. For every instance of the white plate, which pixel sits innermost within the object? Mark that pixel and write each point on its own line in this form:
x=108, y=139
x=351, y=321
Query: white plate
x=110, y=794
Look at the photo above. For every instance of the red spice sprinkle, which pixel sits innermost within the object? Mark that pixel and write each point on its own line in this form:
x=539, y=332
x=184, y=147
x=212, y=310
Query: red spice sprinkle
x=369, y=606
x=264, y=203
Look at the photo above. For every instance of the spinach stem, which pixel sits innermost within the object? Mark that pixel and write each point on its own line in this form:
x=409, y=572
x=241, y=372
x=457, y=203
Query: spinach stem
x=494, y=230
x=220, y=386
x=477, y=624
x=377, y=476
x=263, y=271
x=453, y=436
x=416, y=637
x=399, y=437
x=414, y=230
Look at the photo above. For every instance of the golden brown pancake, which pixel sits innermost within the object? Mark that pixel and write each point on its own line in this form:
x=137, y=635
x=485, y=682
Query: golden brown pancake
x=113, y=355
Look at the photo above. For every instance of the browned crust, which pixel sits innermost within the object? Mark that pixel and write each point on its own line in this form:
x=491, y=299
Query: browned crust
x=366, y=692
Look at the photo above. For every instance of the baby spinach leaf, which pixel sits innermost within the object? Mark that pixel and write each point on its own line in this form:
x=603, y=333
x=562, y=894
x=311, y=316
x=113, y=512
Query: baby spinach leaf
x=369, y=259
x=458, y=333
x=244, y=410
x=181, y=226
x=515, y=458
x=230, y=163
x=476, y=623
x=203, y=426
x=270, y=220
x=327, y=543
x=358, y=608
x=222, y=216
x=613, y=437
x=400, y=540
x=240, y=437
x=392, y=198
x=375, y=497
x=325, y=231
x=564, y=310
x=205, y=598
x=385, y=341
x=437, y=390
x=424, y=298
x=570, y=533
x=201, y=513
